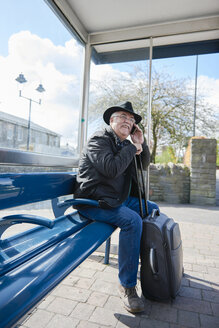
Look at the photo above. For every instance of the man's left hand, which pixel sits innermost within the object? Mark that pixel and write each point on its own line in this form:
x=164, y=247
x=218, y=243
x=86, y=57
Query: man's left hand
x=137, y=137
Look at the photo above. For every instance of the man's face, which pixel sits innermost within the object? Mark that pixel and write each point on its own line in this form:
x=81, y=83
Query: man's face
x=122, y=124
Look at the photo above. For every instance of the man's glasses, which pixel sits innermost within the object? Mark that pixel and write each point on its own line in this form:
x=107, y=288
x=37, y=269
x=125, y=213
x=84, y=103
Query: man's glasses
x=124, y=118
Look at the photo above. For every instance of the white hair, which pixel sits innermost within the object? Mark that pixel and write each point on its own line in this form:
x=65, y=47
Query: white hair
x=113, y=114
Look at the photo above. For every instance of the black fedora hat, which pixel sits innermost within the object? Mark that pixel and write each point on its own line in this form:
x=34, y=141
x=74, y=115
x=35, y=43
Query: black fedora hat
x=125, y=107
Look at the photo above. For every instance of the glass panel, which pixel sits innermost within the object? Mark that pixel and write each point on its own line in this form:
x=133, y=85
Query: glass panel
x=119, y=73
x=184, y=104
x=38, y=51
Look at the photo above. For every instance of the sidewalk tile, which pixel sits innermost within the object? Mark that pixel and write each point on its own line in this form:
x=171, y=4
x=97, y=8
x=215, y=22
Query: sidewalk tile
x=201, y=284
x=190, y=292
x=163, y=312
x=114, y=303
x=149, y=323
x=70, y=280
x=208, y=321
x=209, y=252
x=82, y=311
x=76, y=272
x=214, y=271
x=127, y=321
x=188, y=319
x=87, y=273
x=97, y=299
x=61, y=321
x=111, y=269
x=46, y=301
x=84, y=283
x=209, y=262
x=191, y=304
x=39, y=319
x=106, y=276
x=97, y=257
x=89, y=264
x=187, y=266
x=185, y=282
x=211, y=296
x=104, y=317
x=62, y=306
x=104, y=287
x=196, y=275
x=215, y=309
x=214, y=279
x=72, y=293
x=200, y=268
x=87, y=324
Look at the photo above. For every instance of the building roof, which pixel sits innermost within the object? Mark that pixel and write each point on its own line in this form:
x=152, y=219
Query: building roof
x=9, y=118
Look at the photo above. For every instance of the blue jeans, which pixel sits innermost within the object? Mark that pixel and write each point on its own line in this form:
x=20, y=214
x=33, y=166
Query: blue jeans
x=127, y=218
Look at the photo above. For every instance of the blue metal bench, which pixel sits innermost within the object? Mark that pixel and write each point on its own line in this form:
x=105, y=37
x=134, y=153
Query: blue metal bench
x=33, y=262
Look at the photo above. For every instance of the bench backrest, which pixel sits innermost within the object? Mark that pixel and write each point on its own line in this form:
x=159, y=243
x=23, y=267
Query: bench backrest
x=24, y=188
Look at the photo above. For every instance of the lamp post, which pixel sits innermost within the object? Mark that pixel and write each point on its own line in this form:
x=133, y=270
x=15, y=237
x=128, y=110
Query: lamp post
x=21, y=79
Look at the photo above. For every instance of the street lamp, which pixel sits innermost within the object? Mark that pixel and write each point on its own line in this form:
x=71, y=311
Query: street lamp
x=21, y=79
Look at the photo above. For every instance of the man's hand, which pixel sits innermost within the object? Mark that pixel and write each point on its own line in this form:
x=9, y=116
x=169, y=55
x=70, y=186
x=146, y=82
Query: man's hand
x=137, y=137
x=139, y=148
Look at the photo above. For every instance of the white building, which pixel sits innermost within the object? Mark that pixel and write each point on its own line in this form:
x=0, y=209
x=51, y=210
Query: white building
x=14, y=132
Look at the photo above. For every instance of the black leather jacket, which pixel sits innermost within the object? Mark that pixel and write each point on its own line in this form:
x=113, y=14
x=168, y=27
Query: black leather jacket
x=106, y=170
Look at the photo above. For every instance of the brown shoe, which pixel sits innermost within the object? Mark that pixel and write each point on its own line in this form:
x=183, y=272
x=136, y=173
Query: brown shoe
x=132, y=302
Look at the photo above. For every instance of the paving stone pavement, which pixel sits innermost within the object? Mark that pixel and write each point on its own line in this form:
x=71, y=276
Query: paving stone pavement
x=88, y=297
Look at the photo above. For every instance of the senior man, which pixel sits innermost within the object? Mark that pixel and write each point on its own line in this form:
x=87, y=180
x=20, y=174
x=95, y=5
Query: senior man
x=107, y=174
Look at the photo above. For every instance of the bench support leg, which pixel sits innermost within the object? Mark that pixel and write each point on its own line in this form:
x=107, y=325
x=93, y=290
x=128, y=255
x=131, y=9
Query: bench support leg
x=107, y=251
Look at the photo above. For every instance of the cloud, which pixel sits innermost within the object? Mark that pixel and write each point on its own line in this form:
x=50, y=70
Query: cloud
x=209, y=88
x=58, y=68
x=31, y=49
x=105, y=73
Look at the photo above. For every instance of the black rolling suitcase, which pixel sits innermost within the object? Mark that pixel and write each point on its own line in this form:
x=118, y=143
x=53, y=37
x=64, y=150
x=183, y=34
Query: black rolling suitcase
x=161, y=252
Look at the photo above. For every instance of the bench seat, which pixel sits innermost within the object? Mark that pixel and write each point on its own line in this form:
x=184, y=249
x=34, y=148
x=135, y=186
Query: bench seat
x=23, y=246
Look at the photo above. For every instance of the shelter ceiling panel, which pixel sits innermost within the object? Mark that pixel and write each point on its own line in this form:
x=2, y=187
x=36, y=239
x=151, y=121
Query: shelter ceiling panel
x=103, y=15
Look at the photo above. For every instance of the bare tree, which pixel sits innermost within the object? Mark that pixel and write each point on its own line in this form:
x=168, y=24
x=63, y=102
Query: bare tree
x=172, y=106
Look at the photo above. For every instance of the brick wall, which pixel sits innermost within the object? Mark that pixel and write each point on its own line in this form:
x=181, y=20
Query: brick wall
x=169, y=183
x=203, y=172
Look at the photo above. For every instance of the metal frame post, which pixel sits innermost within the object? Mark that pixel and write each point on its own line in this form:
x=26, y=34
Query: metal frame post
x=82, y=135
x=149, y=108
x=195, y=96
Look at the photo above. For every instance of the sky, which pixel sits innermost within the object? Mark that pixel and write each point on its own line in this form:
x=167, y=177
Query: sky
x=34, y=42
x=22, y=15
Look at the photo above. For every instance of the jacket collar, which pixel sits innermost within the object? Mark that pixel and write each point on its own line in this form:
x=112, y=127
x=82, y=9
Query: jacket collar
x=118, y=142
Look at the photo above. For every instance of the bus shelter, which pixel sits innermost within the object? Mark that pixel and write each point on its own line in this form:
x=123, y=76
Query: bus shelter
x=115, y=32
x=128, y=31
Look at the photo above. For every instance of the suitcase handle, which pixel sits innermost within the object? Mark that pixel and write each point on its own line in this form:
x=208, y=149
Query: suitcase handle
x=152, y=260
x=139, y=187
x=154, y=213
